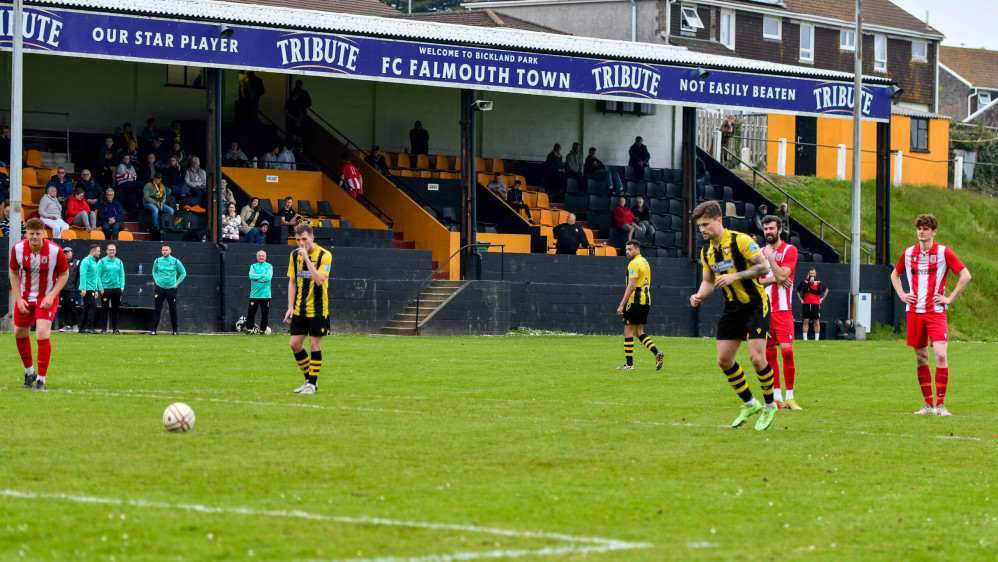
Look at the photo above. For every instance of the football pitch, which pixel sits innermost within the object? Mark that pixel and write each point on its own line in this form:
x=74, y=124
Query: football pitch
x=525, y=447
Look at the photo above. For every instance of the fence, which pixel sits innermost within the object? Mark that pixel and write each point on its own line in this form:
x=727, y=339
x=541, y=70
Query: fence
x=752, y=133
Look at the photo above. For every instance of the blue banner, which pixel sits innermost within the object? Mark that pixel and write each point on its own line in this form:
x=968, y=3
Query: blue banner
x=186, y=42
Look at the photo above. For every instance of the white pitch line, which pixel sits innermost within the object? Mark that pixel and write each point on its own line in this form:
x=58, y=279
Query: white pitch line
x=592, y=544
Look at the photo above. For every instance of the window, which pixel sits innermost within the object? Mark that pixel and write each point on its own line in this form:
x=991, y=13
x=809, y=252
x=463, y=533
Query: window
x=771, y=28
x=920, y=51
x=879, y=53
x=919, y=135
x=691, y=20
x=983, y=98
x=184, y=76
x=847, y=40
x=807, y=42
x=728, y=29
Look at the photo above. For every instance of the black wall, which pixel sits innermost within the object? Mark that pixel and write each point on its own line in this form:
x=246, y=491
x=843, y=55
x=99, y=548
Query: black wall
x=479, y=307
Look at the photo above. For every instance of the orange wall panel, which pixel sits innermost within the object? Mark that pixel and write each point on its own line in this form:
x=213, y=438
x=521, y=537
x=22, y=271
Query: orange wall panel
x=780, y=127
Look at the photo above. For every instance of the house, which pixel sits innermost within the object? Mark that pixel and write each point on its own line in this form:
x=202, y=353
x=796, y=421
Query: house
x=968, y=80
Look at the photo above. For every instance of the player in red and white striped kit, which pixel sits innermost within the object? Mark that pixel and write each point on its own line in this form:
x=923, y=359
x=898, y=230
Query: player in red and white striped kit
x=38, y=271
x=926, y=265
x=779, y=282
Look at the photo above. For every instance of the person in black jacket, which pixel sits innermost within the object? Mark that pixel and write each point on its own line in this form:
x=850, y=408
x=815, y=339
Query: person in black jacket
x=377, y=160
x=569, y=237
x=68, y=294
x=514, y=196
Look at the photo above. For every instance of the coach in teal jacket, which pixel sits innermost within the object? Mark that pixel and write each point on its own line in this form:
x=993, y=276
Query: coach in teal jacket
x=260, y=274
x=168, y=273
x=112, y=281
x=89, y=289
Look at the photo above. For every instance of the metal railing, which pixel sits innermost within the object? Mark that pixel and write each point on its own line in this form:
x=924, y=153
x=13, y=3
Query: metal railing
x=502, y=270
x=36, y=125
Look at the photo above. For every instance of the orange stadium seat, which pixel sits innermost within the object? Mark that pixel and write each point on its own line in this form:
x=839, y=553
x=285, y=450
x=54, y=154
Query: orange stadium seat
x=124, y=235
x=542, y=201
x=422, y=162
x=484, y=179
x=425, y=173
x=407, y=173
x=498, y=165
x=480, y=164
x=450, y=176
x=403, y=160
x=33, y=158
x=30, y=178
x=546, y=218
x=68, y=234
x=441, y=162
x=98, y=234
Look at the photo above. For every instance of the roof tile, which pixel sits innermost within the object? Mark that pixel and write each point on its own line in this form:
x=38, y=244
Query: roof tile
x=977, y=66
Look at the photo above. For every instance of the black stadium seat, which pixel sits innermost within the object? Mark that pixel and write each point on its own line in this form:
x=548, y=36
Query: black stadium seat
x=305, y=208
x=655, y=174
x=637, y=188
x=600, y=203
x=595, y=187
x=659, y=206
x=749, y=210
x=675, y=207
x=572, y=185
x=729, y=194
x=656, y=189
x=665, y=238
x=266, y=206
x=673, y=190
x=599, y=221
x=661, y=222
x=576, y=203
x=629, y=173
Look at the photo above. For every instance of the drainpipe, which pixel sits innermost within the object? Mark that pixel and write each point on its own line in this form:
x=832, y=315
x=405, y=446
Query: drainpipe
x=668, y=20
x=936, y=89
x=973, y=92
x=634, y=21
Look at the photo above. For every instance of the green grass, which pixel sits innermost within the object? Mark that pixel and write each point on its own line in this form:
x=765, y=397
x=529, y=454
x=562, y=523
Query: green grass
x=535, y=436
x=968, y=223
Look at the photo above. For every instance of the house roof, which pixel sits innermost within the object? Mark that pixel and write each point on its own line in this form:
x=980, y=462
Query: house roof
x=977, y=66
x=701, y=46
x=480, y=18
x=356, y=7
x=911, y=112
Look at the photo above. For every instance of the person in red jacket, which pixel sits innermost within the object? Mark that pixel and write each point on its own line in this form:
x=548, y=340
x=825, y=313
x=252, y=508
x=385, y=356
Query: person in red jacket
x=625, y=218
x=350, y=177
x=78, y=211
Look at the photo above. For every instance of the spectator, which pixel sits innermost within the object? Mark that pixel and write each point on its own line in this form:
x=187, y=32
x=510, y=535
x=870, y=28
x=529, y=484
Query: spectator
x=67, y=296
x=92, y=191
x=110, y=215
x=515, y=199
x=294, y=116
x=236, y=157
x=126, y=138
x=595, y=169
x=727, y=131
x=419, y=139
x=176, y=136
x=181, y=156
x=350, y=177
x=642, y=217
x=569, y=237
x=197, y=181
x=5, y=145
x=4, y=186
x=154, y=199
x=112, y=283
x=377, y=160
x=625, y=218
x=784, y=214
x=128, y=184
x=108, y=158
x=285, y=159
x=269, y=159
x=159, y=151
x=257, y=235
x=149, y=133
x=574, y=162
x=227, y=196
x=89, y=287
x=761, y=212
x=173, y=179
x=638, y=157
x=701, y=178
x=250, y=215
x=79, y=211
x=250, y=91
x=231, y=223
x=147, y=169
x=5, y=223
x=260, y=274
x=50, y=211
x=63, y=186
x=497, y=186
x=289, y=217
x=167, y=273
x=554, y=173
x=304, y=99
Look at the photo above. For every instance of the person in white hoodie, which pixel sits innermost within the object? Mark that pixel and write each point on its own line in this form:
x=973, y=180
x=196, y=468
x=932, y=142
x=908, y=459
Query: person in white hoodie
x=50, y=211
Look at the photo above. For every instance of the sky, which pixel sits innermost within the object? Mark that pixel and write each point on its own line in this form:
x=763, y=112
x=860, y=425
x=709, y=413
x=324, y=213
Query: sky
x=966, y=23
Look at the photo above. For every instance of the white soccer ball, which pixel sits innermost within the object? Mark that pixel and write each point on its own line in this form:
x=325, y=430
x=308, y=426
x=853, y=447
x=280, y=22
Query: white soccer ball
x=178, y=417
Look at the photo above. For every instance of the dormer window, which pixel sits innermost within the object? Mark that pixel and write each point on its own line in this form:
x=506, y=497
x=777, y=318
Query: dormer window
x=691, y=20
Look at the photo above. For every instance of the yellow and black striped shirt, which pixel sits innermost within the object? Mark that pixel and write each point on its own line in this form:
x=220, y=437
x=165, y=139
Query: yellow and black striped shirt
x=310, y=301
x=731, y=256
x=638, y=269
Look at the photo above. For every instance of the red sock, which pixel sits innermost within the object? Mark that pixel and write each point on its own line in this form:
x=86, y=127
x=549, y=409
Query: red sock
x=44, y=352
x=925, y=381
x=24, y=349
x=773, y=364
x=942, y=378
x=789, y=368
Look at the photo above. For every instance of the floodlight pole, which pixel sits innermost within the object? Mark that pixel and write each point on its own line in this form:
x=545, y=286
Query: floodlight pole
x=16, y=134
x=857, y=163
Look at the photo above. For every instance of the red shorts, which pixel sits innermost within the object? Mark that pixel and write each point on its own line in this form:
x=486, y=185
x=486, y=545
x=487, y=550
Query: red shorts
x=781, y=328
x=35, y=312
x=925, y=326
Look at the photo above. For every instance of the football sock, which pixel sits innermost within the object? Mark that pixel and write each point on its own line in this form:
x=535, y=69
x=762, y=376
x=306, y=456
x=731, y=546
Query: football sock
x=44, y=353
x=790, y=394
x=774, y=364
x=805, y=336
x=315, y=365
x=777, y=395
x=24, y=349
x=766, y=382
x=736, y=378
x=629, y=350
x=646, y=341
x=789, y=369
x=925, y=382
x=302, y=358
x=942, y=378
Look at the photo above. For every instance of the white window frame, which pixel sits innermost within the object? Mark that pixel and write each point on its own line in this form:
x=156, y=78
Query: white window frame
x=845, y=45
x=807, y=30
x=879, y=58
x=689, y=19
x=924, y=56
x=779, y=28
x=983, y=98
x=730, y=29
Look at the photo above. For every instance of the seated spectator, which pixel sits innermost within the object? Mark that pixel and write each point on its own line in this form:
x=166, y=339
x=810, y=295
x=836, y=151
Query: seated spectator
x=624, y=219
x=157, y=149
x=175, y=135
x=50, y=211
x=350, y=177
x=701, y=178
x=642, y=217
x=5, y=223
x=108, y=158
x=125, y=137
x=4, y=186
x=250, y=215
x=110, y=215
x=63, y=186
x=784, y=213
x=569, y=237
x=761, y=212
x=289, y=217
x=147, y=169
x=154, y=199
x=231, y=223
x=92, y=191
x=377, y=160
x=180, y=155
x=638, y=157
x=514, y=196
x=257, y=235
x=5, y=145
x=173, y=179
x=497, y=186
x=227, y=196
x=554, y=174
x=236, y=157
x=197, y=181
x=286, y=159
x=149, y=133
x=127, y=181
x=79, y=211
x=573, y=162
x=269, y=159
x=595, y=169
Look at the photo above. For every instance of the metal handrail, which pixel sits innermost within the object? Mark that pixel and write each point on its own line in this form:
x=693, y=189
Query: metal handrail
x=502, y=268
x=791, y=198
x=62, y=113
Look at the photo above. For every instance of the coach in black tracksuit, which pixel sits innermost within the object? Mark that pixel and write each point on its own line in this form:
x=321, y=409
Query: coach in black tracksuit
x=570, y=237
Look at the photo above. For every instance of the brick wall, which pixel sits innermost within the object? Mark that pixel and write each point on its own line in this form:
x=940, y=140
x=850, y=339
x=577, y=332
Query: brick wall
x=953, y=94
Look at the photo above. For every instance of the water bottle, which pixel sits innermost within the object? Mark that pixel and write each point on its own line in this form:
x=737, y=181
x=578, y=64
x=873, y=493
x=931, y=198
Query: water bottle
x=140, y=269
x=254, y=162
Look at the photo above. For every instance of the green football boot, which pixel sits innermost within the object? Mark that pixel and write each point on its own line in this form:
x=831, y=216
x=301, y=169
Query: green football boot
x=747, y=412
x=766, y=418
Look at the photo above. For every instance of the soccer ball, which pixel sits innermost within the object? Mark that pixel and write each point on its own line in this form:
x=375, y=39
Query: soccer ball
x=178, y=417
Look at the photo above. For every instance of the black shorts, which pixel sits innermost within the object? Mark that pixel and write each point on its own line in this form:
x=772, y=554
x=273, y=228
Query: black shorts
x=741, y=321
x=811, y=311
x=314, y=326
x=636, y=314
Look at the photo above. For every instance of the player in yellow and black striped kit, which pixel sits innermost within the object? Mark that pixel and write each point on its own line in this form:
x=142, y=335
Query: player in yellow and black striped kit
x=308, y=304
x=635, y=305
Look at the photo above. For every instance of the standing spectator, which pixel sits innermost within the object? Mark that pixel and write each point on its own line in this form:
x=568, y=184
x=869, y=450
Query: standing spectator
x=419, y=139
x=227, y=196
x=497, y=186
x=231, y=223
x=79, y=211
x=112, y=283
x=125, y=138
x=595, y=169
x=63, y=186
x=89, y=289
x=176, y=135
x=260, y=274
x=4, y=186
x=642, y=217
x=128, y=184
x=515, y=199
x=250, y=214
x=350, y=177
x=727, y=131
x=108, y=158
x=168, y=273
x=377, y=160
x=236, y=157
x=574, y=162
x=50, y=212
x=286, y=159
x=625, y=219
x=110, y=215
x=5, y=145
x=197, y=181
x=149, y=133
x=92, y=191
x=269, y=159
x=289, y=217
x=811, y=293
x=173, y=179
x=638, y=157
x=5, y=223
x=554, y=173
x=701, y=178
x=67, y=297
x=294, y=116
x=569, y=237
x=308, y=304
x=304, y=98
x=257, y=235
x=250, y=91
x=154, y=199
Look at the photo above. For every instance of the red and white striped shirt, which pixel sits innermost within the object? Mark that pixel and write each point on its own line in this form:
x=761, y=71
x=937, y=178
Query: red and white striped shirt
x=351, y=174
x=38, y=271
x=927, y=274
x=779, y=296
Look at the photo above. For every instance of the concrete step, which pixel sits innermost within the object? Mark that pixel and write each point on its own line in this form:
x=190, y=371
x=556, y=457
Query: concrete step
x=448, y=283
x=393, y=331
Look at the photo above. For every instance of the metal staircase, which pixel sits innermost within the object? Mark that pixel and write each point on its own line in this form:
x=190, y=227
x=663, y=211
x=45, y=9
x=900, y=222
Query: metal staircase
x=430, y=299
